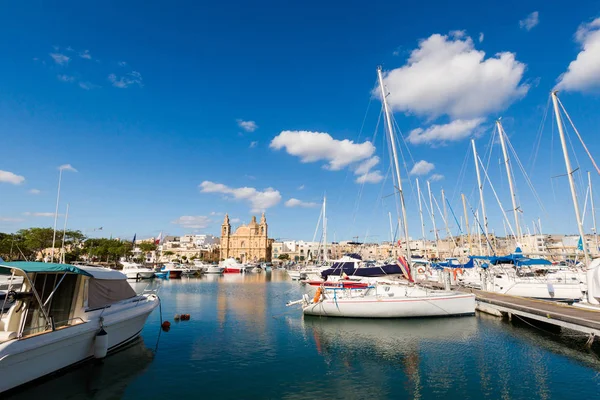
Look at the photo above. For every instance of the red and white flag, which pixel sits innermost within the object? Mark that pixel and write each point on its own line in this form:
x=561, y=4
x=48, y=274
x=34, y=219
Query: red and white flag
x=158, y=238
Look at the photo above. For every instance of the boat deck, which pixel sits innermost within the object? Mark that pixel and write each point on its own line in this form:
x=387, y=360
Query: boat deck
x=571, y=317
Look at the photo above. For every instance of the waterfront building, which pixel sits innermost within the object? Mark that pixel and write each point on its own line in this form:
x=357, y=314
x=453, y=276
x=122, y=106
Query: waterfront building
x=249, y=243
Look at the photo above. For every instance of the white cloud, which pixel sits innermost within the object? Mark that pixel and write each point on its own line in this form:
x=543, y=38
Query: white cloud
x=422, y=168
x=436, y=177
x=583, y=74
x=454, y=131
x=253, y=144
x=34, y=191
x=88, y=85
x=123, y=82
x=530, y=21
x=248, y=126
x=235, y=220
x=122, y=64
x=67, y=167
x=301, y=187
x=299, y=203
x=259, y=200
x=193, y=222
x=481, y=36
x=370, y=177
x=85, y=54
x=60, y=59
x=319, y=146
x=65, y=78
x=39, y=214
x=446, y=75
x=9, y=177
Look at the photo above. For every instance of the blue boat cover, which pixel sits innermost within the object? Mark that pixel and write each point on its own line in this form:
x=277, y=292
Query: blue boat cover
x=32, y=266
x=516, y=259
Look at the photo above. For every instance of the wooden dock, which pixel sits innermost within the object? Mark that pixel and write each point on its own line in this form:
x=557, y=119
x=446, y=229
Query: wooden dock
x=576, y=318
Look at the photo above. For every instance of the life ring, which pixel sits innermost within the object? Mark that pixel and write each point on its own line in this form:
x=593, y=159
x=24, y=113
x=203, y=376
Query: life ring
x=455, y=272
x=421, y=270
x=317, y=295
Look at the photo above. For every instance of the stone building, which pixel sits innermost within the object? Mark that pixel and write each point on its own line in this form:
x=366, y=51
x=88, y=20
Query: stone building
x=249, y=243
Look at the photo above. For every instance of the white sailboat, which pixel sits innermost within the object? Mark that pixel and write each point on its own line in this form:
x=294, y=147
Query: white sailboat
x=389, y=299
x=64, y=314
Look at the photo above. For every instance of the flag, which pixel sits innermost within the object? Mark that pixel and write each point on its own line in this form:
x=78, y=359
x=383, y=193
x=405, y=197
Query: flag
x=580, y=244
x=158, y=239
x=133, y=241
x=403, y=264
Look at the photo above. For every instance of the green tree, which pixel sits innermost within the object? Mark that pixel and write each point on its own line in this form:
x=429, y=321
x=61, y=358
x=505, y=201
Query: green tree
x=284, y=257
x=147, y=247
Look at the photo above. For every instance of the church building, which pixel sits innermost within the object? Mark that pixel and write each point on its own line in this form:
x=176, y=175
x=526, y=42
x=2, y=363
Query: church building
x=249, y=243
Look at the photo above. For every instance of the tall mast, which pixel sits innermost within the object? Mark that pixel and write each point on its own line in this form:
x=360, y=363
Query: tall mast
x=513, y=196
x=478, y=233
x=464, y=201
x=324, y=228
x=391, y=228
x=435, y=231
x=396, y=165
x=445, y=214
x=422, y=222
x=62, y=248
x=485, y=224
x=563, y=142
x=593, y=213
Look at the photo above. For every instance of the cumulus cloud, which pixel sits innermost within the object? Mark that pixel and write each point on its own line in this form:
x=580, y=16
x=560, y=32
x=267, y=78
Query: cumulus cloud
x=67, y=167
x=583, y=74
x=65, y=78
x=436, y=177
x=248, y=126
x=370, y=177
x=259, y=200
x=451, y=132
x=85, y=54
x=34, y=191
x=123, y=82
x=338, y=154
x=12, y=178
x=193, y=221
x=320, y=146
x=299, y=203
x=446, y=75
x=530, y=21
x=422, y=168
x=60, y=58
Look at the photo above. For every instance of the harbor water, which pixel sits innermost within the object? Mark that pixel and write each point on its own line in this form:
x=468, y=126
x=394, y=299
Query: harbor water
x=242, y=342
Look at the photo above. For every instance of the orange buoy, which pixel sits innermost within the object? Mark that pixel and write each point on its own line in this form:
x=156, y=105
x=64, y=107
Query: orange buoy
x=165, y=326
x=317, y=295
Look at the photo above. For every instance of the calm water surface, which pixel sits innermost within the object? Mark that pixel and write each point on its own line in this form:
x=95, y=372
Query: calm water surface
x=243, y=343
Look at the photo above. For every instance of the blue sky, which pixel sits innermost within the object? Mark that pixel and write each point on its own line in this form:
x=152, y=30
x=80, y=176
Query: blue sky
x=173, y=114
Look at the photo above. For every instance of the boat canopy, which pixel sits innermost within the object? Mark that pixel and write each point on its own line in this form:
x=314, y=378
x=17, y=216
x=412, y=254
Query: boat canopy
x=516, y=259
x=40, y=267
x=49, y=268
x=449, y=264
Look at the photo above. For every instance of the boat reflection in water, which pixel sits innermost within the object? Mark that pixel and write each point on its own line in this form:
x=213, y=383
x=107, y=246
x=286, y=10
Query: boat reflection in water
x=106, y=379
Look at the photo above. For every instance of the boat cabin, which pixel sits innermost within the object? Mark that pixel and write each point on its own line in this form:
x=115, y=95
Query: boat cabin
x=52, y=296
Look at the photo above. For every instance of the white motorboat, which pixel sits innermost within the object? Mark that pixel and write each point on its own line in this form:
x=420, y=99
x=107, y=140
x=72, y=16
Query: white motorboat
x=231, y=265
x=388, y=301
x=137, y=271
x=64, y=314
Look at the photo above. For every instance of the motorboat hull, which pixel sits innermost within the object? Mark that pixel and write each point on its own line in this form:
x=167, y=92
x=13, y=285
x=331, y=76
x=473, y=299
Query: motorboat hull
x=214, y=270
x=139, y=274
x=389, y=307
x=30, y=358
x=174, y=274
